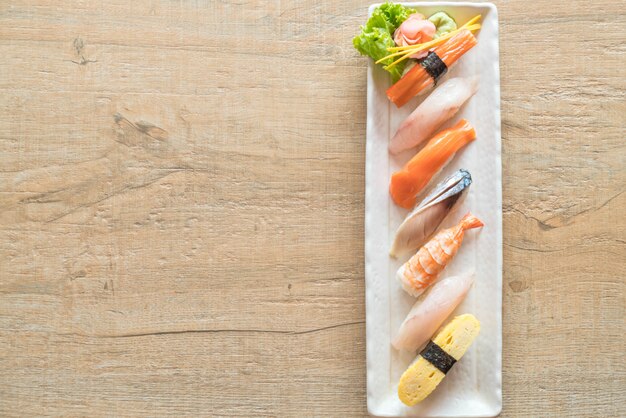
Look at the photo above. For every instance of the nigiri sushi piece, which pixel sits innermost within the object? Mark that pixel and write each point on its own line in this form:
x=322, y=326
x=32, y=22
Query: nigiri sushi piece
x=427, y=315
x=424, y=267
x=437, y=108
x=422, y=222
x=407, y=183
x=435, y=361
x=431, y=68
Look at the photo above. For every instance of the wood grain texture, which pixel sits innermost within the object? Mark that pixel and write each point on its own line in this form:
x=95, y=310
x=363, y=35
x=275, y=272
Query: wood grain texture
x=181, y=208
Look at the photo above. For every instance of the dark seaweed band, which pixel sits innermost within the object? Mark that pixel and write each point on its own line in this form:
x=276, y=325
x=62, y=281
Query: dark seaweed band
x=434, y=66
x=437, y=357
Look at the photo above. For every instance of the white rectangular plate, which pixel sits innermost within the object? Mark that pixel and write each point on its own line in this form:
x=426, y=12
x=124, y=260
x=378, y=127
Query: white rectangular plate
x=473, y=388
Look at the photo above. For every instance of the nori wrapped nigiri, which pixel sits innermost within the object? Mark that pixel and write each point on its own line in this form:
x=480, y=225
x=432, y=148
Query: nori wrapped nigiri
x=431, y=68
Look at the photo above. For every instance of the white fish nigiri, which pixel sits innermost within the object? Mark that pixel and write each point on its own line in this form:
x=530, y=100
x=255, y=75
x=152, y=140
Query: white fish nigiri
x=427, y=315
x=441, y=105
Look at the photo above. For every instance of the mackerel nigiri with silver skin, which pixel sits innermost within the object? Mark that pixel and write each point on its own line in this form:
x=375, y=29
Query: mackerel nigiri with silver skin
x=422, y=222
x=437, y=108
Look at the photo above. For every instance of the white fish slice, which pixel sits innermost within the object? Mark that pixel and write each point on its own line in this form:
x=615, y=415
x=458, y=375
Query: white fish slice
x=429, y=312
x=424, y=220
x=441, y=105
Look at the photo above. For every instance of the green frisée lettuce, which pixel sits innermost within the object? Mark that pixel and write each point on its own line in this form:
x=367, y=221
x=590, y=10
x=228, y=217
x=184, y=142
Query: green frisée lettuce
x=377, y=34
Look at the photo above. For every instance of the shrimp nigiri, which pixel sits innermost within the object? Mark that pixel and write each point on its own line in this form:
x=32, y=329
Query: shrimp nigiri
x=437, y=108
x=428, y=314
x=424, y=267
x=407, y=183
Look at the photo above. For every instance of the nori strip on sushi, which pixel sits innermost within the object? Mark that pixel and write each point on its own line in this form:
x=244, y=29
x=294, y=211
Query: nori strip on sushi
x=438, y=357
x=434, y=66
x=418, y=79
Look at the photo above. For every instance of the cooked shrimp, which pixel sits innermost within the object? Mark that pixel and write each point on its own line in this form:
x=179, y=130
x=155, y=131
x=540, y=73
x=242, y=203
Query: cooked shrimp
x=423, y=268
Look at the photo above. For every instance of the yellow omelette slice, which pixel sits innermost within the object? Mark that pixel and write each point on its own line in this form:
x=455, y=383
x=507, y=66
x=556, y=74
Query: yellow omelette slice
x=421, y=378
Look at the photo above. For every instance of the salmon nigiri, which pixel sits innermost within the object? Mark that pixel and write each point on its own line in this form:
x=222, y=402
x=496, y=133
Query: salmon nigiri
x=424, y=267
x=407, y=183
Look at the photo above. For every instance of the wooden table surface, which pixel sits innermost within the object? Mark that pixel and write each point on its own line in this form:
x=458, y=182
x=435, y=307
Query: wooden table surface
x=182, y=200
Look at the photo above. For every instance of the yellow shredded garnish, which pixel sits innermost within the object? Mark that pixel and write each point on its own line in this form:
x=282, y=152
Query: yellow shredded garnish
x=420, y=47
x=446, y=36
x=426, y=45
x=472, y=21
x=407, y=51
